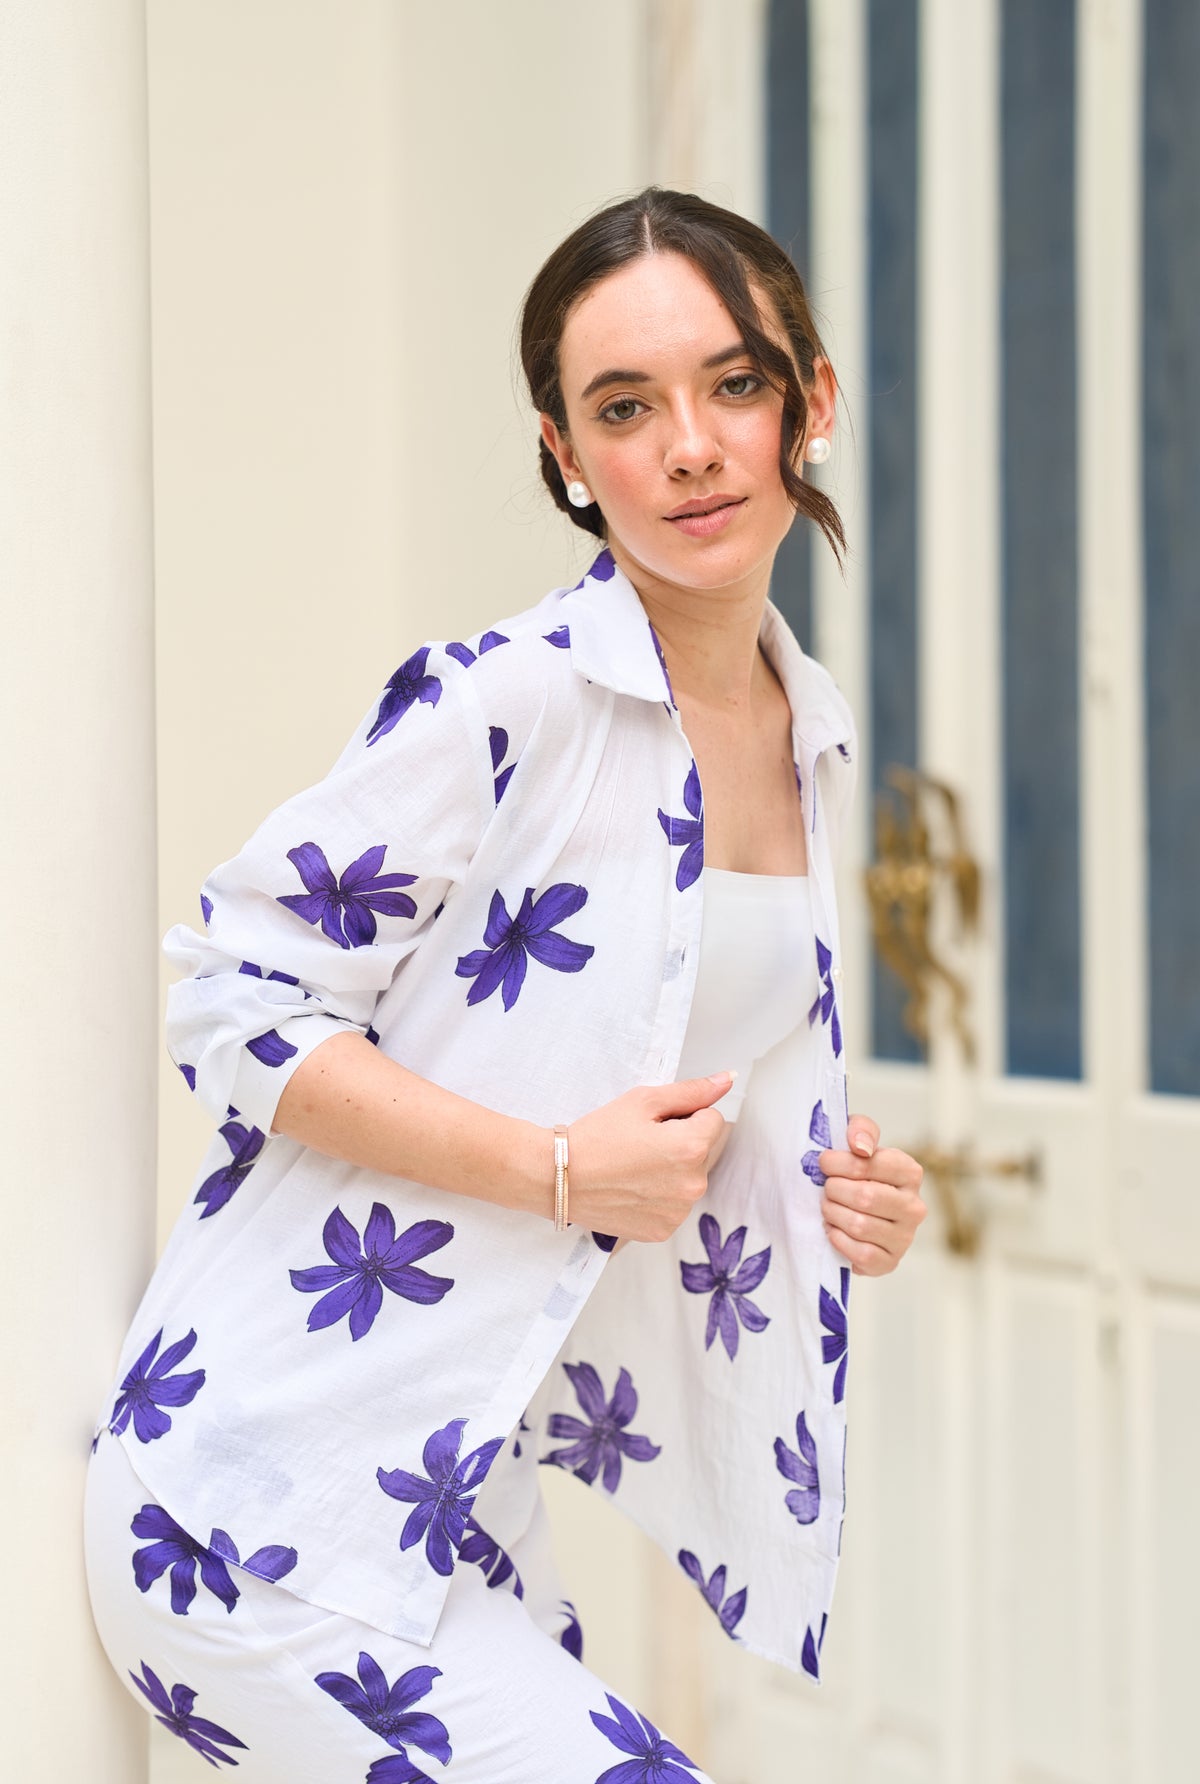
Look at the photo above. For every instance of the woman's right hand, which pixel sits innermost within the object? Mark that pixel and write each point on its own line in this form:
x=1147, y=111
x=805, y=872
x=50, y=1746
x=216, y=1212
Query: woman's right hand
x=638, y=1165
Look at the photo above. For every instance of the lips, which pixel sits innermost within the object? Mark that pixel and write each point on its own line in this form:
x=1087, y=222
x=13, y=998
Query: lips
x=702, y=505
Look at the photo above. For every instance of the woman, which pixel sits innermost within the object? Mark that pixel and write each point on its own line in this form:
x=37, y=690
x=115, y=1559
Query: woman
x=460, y=1012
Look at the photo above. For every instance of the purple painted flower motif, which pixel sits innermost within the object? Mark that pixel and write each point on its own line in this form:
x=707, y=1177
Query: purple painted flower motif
x=498, y=744
x=503, y=963
x=654, y=1759
x=811, y=1649
x=497, y=1567
x=245, y=1144
x=570, y=1636
x=409, y=683
x=824, y=1004
x=606, y=1241
x=443, y=1498
x=843, y=752
x=729, y=1614
x=189, y=1076
x=602, y=1442
x=175, y=1713
x=805, y=1503
x=820, y=1131
x=270, y=1048
x=833, y=1342
x=689, y=831
x=150, y=1385
x=662, y=663
x=522, y=1427
x=252, y=971
x=354, y=1282
x=560, y=638
x=206, y=908
x=171, y=1546
x=397, y=1768
x=346, y=908
x=602, y=568
x=729, y=1282
x=387, y=1710
x=462, y=653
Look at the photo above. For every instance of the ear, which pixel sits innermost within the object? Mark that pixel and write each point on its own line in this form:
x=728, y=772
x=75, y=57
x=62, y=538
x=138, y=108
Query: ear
x=822, y=400
x=559, y=444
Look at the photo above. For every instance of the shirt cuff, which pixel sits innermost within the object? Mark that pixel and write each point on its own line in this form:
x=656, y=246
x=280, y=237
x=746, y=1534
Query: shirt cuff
x=268, y=1061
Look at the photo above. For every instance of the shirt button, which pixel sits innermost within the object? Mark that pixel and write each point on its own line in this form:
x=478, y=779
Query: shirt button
x=837, y=975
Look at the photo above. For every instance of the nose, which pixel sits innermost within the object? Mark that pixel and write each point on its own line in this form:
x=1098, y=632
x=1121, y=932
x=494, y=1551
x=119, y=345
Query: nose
x=693, y=448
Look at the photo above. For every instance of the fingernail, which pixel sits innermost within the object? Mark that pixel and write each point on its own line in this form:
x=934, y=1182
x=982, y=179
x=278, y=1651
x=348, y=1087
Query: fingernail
x=716, y=1077
x=863, y=1145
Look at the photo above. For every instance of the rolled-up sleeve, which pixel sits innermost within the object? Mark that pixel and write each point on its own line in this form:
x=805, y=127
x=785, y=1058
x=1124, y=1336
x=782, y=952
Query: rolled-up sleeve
x=304, y=929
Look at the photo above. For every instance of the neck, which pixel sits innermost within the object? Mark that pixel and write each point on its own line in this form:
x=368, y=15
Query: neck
x=709, y=637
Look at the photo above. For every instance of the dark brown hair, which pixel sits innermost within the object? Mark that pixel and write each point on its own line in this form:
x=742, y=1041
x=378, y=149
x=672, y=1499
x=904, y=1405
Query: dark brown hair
x=732, y=254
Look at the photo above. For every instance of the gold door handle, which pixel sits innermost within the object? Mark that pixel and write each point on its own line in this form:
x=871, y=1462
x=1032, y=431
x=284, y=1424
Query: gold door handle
x=901, y=883
x=955, y=1177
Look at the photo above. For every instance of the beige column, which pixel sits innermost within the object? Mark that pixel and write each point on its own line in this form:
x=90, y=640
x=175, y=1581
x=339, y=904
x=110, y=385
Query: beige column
x=77, y=865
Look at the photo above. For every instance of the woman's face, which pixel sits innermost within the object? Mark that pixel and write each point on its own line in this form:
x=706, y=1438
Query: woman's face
x=672, y=429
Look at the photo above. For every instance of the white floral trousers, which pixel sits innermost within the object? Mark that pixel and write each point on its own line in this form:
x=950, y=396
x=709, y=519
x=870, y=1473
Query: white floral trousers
x=254, y=1678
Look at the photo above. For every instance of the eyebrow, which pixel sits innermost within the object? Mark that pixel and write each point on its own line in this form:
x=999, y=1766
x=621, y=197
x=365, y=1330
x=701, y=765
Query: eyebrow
x=617, y=376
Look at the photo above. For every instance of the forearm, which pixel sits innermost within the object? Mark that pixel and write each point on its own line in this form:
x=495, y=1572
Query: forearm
x=350, y=1101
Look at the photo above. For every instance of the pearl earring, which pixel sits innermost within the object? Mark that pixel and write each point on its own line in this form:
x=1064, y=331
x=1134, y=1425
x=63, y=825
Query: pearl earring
x=817, y=450
x=578, y=494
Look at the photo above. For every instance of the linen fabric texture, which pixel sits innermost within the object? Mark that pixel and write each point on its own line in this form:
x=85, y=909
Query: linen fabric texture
x=500, y=884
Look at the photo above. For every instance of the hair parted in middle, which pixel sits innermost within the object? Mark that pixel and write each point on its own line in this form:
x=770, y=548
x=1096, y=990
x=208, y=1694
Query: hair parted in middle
x=738, y=259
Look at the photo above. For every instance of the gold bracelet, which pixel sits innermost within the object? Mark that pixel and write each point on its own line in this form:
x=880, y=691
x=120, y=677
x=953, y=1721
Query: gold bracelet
x=560, y=1177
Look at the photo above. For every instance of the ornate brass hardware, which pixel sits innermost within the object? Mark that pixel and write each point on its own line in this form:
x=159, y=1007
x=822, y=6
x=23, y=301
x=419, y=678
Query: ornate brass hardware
x=952, y=1172
x=901, y=883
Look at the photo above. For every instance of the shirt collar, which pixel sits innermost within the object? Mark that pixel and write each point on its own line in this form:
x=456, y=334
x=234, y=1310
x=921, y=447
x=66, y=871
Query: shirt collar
x=611, y=641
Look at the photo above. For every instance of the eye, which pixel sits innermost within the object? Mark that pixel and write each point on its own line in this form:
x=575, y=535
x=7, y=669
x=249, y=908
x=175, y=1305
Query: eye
x=622, y=408
x=748, y=381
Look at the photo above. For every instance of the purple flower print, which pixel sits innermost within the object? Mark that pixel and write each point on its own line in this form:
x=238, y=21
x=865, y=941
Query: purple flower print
x=354, y=1282
x=805, y=1503
x=571, y=1635
x=245, y=1144
x=502, y=963
x=149, y=1386
x=833, y=1342
x=654, y=1759
x=729, y=1613
x=486, y=1553
x=189, y=1076
x=843, y=752
x=689, y=831
x=824, y=1004
x=662, y=663
x=409, y=683
x=206, y=909
x=604, y=1441
x=252, y=971
x=442, y=1502
x=820, y=1131
x=175, y=1713
x=387, y=1710
x=560, y=638
x=346, y=908
x=498, y=744
x=811, y=1648
x=603, y=567
x=462, y=653
x=606, y=1241
x=270, y=1048
x=729, y=1282
x=171, y=1546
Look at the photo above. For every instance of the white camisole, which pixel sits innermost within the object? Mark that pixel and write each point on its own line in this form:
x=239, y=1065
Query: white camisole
x=757, y=975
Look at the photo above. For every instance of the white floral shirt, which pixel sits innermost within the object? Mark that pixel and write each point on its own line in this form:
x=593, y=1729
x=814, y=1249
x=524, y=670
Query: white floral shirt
x=499, y=883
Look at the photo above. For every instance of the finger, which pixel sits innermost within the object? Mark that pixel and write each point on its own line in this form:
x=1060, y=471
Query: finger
x=867, y=1229
x=862, y=1134
x=869, y=1197
x=888, y=1165
x=867, y=1260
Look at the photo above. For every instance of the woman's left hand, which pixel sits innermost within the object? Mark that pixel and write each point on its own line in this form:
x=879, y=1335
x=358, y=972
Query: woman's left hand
x=871, y=1206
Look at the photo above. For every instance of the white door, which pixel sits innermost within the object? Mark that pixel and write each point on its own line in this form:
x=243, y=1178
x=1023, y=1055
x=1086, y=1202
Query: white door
x=1021, y=1565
